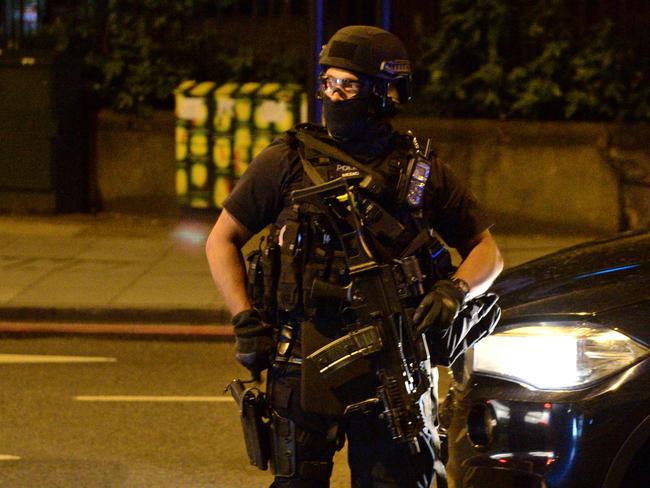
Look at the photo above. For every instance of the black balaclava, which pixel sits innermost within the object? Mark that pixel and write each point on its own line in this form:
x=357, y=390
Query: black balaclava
x=356, y=127
x=346, y=119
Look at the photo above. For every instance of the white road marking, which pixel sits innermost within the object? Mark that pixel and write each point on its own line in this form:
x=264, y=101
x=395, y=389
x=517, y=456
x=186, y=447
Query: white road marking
x=8, y=457
x=45, y=359
x=145, y=398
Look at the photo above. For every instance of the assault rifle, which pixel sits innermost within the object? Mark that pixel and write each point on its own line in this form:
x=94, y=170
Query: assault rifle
x=382, y=332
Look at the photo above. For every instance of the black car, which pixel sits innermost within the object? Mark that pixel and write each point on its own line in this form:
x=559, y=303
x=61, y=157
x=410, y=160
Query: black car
x=559, y=394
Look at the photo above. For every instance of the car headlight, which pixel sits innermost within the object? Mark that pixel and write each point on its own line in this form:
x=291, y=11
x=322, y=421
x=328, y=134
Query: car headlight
x=554, y=356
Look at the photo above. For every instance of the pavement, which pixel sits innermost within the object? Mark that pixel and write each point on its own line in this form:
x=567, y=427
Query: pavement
x=113, y=272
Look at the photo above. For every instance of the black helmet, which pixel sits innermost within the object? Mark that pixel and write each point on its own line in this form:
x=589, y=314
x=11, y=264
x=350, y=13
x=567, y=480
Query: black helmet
x=373, y=52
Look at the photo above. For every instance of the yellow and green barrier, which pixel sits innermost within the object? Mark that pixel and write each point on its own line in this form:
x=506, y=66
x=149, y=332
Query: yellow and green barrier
x=220, y=129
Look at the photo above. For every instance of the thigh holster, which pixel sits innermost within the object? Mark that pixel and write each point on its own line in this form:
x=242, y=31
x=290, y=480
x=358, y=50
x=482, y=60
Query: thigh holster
x=283, y=446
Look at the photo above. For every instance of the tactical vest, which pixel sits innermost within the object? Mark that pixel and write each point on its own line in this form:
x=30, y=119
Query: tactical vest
x=302, y=248
x=299, y=276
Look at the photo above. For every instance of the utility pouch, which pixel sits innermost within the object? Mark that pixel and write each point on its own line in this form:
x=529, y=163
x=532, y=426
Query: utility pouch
x=270, y=263
x=283, y=442
x=255, y=422
x=255, y=279
x=381, y=223
x=313, y=270
x=289, y=283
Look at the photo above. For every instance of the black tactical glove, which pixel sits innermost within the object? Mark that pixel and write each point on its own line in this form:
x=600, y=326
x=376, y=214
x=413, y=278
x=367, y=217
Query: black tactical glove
x=439, y=307
x=255, y=345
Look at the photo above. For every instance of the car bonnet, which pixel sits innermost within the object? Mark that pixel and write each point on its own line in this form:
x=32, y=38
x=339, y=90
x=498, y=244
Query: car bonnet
x=609, y=278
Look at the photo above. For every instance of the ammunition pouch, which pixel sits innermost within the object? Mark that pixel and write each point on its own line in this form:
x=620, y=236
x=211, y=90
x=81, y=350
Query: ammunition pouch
x=382, y=224
x=314, y=272
x=290, y=277
x=270, y=261
x=255, y=279
x=262, y=277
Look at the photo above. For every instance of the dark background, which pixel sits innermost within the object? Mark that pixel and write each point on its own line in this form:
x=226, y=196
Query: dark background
x=504, y=59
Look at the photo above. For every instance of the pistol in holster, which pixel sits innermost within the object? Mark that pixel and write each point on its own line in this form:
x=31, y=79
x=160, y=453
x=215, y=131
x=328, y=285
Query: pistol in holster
x=255, y=420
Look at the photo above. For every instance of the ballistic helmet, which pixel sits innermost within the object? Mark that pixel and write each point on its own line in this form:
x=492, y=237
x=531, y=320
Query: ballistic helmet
x=373, y=52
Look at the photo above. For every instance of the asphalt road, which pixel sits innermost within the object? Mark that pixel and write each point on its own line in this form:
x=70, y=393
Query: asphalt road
x=110, y=412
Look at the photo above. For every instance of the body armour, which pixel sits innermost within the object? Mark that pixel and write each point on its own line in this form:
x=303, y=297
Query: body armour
x=302, y=246
x=300, y=278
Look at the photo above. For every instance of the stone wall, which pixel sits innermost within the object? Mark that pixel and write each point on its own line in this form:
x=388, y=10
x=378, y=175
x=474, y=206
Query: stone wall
x=135, y=162
x=532, y=177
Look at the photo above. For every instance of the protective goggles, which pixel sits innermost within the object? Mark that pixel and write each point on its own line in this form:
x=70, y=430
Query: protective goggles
x=348, y=88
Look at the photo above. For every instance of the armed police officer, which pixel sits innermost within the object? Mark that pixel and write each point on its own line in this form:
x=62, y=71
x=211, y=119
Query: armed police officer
x=350, y=299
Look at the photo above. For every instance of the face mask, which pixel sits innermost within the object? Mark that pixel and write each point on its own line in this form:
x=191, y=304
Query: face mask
x=347, y=119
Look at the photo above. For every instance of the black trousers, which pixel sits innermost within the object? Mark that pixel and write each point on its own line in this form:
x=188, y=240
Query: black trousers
x=375, y=459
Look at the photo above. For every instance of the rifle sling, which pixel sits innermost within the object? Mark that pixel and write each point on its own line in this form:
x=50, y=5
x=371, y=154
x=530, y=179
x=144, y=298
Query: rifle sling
x=312, y=173
x=334, y=152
